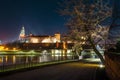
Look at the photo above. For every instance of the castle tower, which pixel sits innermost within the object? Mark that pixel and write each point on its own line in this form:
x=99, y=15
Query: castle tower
x=22, y=34
x=114, y=31
x=57, y=36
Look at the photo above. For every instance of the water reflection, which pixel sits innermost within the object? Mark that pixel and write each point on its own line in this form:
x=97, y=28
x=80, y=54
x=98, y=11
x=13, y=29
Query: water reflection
x=22, y=59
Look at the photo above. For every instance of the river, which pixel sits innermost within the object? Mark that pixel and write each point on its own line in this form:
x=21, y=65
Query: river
x=9, y=59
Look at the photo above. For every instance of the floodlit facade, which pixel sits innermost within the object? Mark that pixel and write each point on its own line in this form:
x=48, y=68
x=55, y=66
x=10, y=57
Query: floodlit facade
x=23, y=38
x=43, y=38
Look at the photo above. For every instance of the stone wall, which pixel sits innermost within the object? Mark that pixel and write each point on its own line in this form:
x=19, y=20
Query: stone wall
x=112, y=63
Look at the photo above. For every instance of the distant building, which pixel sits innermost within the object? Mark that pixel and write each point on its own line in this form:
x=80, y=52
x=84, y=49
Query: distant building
x=23, y=38
x=43, y=38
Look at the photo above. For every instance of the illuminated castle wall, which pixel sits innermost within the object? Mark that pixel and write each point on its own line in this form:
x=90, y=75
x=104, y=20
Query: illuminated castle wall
x=38, y=38
x=43, y=38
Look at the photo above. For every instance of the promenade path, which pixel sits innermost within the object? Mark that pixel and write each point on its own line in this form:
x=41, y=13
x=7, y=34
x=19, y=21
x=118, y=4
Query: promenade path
x=67, y=71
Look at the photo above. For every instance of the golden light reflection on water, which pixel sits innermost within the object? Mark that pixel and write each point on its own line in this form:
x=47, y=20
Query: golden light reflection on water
x=6, y=58
x=1, y=59
x=14, y=59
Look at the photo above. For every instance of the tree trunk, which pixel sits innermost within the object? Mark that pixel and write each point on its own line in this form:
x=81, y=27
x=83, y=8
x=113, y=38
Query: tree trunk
x=96, y=51
x=78, y=54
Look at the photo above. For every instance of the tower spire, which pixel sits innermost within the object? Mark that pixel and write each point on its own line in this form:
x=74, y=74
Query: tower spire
x=22, y=33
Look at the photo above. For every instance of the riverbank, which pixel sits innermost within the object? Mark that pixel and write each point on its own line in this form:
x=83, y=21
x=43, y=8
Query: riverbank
x=76, y=70
x=22, y=68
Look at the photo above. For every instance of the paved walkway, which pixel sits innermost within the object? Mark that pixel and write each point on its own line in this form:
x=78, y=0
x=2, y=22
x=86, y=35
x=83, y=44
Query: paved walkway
x=67, y=71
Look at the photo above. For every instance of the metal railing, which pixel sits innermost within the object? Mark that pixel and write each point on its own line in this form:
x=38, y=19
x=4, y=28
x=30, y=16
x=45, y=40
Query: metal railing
x=30, y=64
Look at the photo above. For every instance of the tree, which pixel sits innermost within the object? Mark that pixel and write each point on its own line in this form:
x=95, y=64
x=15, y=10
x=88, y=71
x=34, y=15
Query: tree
x=83, y=18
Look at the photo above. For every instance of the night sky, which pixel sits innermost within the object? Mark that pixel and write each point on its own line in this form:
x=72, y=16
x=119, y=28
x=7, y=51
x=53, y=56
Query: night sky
x=37, y=16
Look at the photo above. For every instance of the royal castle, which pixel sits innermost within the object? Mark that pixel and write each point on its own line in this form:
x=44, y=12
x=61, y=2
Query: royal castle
x=31, y=38
x=38, y=42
